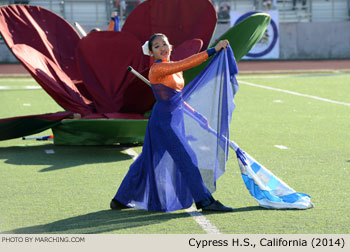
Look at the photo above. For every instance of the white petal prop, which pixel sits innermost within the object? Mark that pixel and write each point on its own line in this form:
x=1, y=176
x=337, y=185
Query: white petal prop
x=145, y=49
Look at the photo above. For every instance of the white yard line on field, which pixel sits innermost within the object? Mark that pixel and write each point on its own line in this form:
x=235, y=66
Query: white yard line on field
x=19, y=87
x=16, y=79
x=282, y=147
x=290, y=75
x=205, y=224
x=294, y=93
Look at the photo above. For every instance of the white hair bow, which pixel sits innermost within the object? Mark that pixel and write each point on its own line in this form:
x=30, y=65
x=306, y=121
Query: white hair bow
x=145, y=49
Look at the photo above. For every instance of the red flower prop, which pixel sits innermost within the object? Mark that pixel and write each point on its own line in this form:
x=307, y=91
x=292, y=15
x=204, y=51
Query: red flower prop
x=89, y=75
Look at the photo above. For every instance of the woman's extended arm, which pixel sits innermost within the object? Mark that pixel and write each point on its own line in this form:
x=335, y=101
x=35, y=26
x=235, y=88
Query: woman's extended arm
x=166, y=68
x=159, y=70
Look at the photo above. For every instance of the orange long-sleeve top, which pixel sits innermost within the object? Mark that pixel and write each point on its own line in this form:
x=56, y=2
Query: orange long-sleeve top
x=170, y=73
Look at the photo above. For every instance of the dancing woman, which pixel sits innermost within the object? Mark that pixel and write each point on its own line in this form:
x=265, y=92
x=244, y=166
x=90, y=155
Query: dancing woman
x=165, y=176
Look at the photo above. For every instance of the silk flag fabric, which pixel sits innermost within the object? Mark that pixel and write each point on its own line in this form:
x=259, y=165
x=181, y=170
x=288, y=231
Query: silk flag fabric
x=266, y=188
x=174, y=139
x=211, y=95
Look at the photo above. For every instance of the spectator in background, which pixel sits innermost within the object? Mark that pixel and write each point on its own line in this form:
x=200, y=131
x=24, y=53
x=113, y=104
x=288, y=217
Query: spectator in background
x=256, y=4
x=21, y=2
x=224, y=12
x=122, y=6
x=116, y=4
x=295, y=3
x=274, y=4
x=114, y=22
x=267, y=4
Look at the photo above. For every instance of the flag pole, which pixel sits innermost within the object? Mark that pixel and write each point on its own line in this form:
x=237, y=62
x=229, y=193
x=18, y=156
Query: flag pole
x=137, y=74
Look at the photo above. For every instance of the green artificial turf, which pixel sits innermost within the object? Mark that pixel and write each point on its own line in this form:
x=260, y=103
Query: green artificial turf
x=67, y=189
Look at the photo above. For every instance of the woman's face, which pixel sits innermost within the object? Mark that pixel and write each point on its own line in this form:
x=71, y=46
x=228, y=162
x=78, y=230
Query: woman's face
x=161, y=48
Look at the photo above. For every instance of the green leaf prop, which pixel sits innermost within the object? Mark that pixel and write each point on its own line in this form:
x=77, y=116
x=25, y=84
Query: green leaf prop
x=242, y=37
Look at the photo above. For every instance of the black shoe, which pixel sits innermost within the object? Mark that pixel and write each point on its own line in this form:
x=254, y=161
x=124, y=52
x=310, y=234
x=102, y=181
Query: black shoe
x=217, y=206
x=116, y=205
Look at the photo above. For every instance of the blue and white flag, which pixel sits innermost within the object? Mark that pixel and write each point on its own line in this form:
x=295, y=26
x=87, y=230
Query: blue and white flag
x=267, y=189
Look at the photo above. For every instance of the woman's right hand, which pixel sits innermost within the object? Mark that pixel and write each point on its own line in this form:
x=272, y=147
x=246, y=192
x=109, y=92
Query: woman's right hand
x=221, y=45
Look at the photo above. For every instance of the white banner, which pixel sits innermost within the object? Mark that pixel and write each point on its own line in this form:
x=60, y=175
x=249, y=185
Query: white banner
x=268, y=46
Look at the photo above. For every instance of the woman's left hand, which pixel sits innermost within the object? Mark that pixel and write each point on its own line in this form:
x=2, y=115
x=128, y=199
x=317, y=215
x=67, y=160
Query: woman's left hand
x=221, y=45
